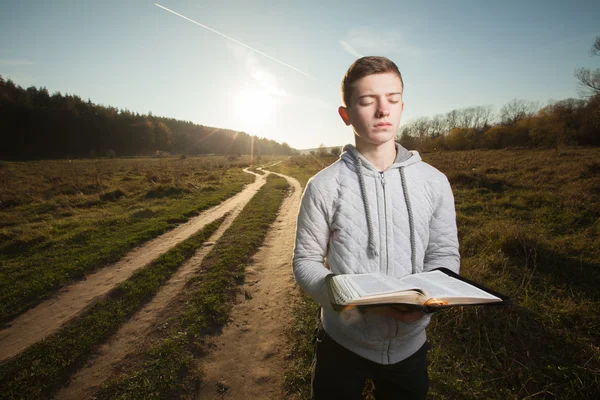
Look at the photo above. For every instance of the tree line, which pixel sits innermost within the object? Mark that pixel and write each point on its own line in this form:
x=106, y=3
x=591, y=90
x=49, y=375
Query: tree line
x=37, y=124
x=519, y=123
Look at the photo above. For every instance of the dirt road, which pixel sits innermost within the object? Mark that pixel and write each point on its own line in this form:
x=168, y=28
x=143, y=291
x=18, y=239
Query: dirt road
x=44, y=319
x=246, y=361
x=85, y=381
x=248, y=357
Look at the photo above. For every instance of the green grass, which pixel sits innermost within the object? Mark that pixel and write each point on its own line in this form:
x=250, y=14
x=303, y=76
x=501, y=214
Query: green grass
x=302, y=167
x=61, y=220
x=168, y=367
x=528, y=224
x=298, y=371
x=45, y=366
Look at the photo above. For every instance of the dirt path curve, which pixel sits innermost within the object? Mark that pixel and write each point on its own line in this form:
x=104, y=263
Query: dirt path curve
x=44, y=319
x=248, y=357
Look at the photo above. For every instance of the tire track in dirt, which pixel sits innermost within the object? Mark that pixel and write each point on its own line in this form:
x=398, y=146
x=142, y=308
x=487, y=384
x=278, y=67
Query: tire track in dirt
x=130, y=335
x=47, y=317
x=248, y=358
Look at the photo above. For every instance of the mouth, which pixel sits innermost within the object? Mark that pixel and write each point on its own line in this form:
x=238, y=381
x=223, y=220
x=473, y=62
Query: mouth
x=383, y=125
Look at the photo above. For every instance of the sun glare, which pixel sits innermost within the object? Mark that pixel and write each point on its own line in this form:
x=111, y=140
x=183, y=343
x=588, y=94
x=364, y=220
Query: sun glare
x=253, y=106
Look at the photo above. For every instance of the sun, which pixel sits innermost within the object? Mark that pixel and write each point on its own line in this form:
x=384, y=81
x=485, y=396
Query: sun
x=253, y=106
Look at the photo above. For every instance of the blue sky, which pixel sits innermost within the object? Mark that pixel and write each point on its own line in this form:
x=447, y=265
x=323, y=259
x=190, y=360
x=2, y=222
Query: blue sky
x=452, y=54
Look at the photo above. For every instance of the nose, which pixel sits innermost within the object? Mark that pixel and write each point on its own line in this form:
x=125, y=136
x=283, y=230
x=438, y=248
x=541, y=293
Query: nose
x=383, y=109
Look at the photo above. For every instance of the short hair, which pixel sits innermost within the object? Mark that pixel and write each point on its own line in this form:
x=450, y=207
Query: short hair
x=366, y=66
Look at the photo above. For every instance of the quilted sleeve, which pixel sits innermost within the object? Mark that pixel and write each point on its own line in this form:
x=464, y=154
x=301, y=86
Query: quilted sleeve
x=442, y=249
x=312, y=237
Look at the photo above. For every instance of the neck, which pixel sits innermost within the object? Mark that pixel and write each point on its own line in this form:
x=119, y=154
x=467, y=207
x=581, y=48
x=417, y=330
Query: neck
x=381, y=156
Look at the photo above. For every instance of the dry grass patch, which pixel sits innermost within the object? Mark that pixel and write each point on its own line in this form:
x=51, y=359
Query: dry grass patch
x=62, y=219
x=528, y=223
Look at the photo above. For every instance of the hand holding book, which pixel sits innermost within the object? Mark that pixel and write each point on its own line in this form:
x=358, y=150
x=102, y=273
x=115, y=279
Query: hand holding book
x=428, y=291
x=400, y=312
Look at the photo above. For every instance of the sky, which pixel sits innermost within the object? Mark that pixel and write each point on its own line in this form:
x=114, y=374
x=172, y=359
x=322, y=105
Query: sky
x=273, y=68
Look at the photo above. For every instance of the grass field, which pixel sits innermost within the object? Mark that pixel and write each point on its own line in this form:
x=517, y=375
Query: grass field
x=528, y=223
x=42, y=368
x=302, y=167
x=62, y=219
x=167, y=368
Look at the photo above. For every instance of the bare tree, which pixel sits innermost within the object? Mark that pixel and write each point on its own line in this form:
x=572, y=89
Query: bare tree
x=589, y=79
x=437, y=125
x=466, y=117
x=452, y=120
x=481, y=116
x=420, y=127
x=595, y=50
x=469, y=117
x=516, y=110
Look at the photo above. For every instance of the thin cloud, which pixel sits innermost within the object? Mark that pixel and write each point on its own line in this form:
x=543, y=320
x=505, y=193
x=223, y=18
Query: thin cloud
x=17, y=78
x=363, y=40
x=235, y=41
x=16, y=62
x=349, y=49
x=312, y=102
x=261, y=75
x=551, y=46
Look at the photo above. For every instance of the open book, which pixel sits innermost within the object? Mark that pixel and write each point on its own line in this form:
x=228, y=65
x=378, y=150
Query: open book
x=429, y=291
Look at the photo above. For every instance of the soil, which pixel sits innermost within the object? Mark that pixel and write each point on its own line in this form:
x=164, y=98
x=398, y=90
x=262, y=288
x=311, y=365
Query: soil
x=248, y=358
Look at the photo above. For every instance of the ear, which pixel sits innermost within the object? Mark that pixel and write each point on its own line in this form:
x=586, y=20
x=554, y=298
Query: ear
x=344, y=114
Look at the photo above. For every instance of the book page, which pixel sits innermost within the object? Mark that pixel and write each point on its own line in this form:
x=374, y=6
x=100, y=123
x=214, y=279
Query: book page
x=439, y=285
x=369, y=284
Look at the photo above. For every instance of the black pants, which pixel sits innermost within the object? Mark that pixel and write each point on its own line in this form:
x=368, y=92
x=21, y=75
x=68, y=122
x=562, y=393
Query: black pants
x=338, y=373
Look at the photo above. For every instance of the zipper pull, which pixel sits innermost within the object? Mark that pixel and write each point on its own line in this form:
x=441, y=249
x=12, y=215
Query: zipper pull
x=382, y=179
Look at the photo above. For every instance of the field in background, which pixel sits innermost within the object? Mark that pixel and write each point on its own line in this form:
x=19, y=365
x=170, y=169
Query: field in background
x=528, y=223
x=61, y=219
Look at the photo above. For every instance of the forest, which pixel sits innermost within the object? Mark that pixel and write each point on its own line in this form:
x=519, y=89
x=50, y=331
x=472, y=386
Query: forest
x=35, y=124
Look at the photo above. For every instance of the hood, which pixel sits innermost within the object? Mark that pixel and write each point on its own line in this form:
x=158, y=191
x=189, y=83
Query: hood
x=404, y=158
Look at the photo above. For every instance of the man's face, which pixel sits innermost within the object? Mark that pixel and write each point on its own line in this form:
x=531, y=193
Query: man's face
x=375, y=108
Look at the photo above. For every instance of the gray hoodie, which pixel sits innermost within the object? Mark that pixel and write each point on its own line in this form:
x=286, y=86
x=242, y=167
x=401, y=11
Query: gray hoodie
x=400, y=221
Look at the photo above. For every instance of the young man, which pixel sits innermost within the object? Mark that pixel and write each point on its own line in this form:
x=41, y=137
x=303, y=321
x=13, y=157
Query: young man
x=379, y=208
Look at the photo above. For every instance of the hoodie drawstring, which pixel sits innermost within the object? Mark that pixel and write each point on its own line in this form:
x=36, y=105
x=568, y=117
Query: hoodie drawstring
x=411, y=224
x=371, y=249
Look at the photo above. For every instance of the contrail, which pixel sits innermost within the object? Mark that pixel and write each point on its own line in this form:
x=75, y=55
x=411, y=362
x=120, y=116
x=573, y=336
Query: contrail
x=236, y=41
